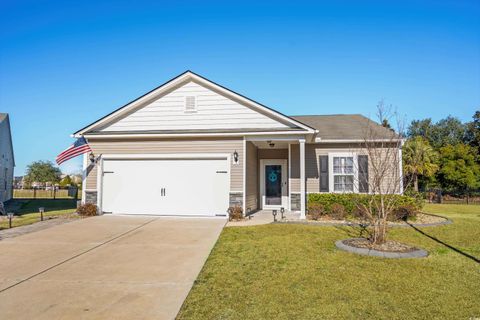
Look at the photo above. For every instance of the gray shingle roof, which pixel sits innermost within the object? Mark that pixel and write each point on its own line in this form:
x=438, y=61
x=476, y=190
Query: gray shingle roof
x=345, y=126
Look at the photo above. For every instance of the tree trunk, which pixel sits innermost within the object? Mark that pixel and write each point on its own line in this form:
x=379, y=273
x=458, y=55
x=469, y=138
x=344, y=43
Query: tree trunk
x=415, y=182
x=379, y=235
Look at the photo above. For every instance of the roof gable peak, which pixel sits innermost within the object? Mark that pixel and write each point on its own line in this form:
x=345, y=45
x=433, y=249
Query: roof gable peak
x=179, y=80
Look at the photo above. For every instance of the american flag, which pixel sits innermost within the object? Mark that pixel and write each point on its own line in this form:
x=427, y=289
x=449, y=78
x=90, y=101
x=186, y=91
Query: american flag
x=79, y=147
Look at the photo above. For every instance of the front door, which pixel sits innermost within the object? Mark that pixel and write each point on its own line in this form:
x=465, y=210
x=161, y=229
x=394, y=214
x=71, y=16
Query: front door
x=273, y=184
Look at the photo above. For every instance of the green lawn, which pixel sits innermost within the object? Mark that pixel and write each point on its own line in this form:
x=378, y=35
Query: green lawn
x=28, y=213
x=295, y=272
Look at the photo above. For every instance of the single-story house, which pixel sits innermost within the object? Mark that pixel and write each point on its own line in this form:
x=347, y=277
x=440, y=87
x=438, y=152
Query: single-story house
x=7, y=160
x=194, y=147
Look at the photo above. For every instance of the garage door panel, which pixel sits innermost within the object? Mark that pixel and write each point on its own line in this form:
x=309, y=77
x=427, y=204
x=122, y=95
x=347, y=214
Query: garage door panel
x=192, y=187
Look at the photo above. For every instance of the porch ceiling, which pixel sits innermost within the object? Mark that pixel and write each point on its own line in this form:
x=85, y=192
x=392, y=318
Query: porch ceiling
x=266, y=144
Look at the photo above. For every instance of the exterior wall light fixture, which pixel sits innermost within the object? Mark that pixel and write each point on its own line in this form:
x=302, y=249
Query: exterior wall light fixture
x=91, y=156
x=235, y=156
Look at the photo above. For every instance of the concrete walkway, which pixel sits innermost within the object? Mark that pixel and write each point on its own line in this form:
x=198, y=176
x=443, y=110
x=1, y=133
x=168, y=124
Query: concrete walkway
x=109, y=267
x=37, y=226
x=262, y=217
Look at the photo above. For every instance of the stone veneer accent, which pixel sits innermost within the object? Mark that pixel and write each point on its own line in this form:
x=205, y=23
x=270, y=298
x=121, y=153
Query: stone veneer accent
x=295, y=201
x=236, y=199
x=91, y=197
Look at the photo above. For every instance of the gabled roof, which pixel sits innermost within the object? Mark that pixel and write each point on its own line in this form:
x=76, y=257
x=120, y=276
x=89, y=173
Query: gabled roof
x=345, y=127
x=183, y=78
x=4, y=117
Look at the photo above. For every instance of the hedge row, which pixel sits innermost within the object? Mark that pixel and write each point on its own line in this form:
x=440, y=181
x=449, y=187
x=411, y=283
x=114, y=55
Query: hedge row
x=350, y=200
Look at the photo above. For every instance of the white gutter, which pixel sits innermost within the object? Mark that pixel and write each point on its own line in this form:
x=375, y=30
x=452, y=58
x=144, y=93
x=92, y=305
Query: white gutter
x=320, y=140
x=185, y=135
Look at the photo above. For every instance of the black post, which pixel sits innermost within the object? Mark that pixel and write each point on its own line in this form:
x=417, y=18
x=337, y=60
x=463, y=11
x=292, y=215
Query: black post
x=41, y=210
x=54, y=192
x=34, y=193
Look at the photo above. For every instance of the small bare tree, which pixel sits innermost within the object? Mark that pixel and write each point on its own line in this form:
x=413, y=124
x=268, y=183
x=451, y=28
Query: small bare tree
x=383, y=176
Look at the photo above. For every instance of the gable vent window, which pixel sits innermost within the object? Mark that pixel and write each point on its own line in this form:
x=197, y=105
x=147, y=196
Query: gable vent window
x=190, y=104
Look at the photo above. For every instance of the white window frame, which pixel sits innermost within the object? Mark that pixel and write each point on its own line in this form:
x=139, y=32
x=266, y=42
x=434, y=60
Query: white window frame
x=331, y=174
x=185, y=110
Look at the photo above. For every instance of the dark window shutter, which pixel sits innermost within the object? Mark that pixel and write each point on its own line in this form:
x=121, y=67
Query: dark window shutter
x=363, y=174
x=323, y=173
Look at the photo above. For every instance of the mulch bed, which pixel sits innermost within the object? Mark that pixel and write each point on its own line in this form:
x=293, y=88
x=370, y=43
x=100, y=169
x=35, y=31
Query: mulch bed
x=423, y=218
x=388, y=246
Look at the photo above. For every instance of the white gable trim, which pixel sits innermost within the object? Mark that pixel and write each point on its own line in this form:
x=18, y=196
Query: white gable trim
x=223, y=134
x=185, y=77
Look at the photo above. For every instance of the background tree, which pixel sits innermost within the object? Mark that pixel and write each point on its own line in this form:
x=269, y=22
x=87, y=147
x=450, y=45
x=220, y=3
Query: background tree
x=386, y=124
x=447, y=131
x=472, y=134
x=66, y=181
x=42, y=172
x=419, y=159
x=459, y=167
x=422, y=128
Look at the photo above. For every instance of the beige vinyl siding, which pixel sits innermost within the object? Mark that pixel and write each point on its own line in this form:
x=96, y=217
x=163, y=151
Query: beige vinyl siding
x=272, y=153
x=171, y=146
x=295, y=168
x=390, y=183
x=312, y=166
x=213, y=111
x=91, y=181
x=251, y=198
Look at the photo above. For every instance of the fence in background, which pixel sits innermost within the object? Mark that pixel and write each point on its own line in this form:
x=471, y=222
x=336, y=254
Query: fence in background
x=72, y=193
x=453, y=197
x=449, y=200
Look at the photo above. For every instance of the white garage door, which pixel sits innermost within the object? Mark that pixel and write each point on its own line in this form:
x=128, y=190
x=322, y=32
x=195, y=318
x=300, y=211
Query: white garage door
x=166, y=187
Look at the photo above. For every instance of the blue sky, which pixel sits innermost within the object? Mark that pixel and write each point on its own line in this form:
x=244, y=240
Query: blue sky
x=64, y=65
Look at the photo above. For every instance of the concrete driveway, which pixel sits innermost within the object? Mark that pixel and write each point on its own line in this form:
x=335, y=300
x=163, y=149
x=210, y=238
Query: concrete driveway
x=108, y=267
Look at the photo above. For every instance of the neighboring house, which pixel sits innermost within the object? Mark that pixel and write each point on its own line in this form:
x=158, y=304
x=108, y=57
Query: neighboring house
x=7, y=161
x=193, y=147
x=18, y=182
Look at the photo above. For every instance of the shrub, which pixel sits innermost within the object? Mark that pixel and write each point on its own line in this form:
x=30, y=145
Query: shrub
x=337, y=211
x=315, y=211
x=403, y=213
x=351, y=201
x=87, y=210
x=419, y=198
x=235, y=213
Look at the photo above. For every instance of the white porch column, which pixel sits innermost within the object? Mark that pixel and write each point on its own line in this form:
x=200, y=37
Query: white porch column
x=302, y=178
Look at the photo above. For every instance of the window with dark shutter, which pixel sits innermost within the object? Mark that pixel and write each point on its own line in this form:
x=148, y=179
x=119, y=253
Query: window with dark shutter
x=363, y=174
x=324, y=174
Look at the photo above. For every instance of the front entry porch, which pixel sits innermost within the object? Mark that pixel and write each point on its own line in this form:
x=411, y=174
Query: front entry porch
x=264, y=217
x=274, y=175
